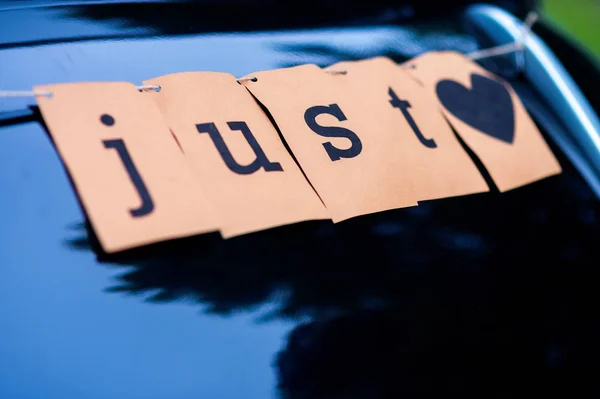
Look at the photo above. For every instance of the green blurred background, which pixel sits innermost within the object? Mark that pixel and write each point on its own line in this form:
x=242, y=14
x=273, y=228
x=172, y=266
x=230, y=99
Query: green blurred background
x=581, y=18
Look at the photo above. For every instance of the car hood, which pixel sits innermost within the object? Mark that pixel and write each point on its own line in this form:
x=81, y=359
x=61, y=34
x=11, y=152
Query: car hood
x=482, y=294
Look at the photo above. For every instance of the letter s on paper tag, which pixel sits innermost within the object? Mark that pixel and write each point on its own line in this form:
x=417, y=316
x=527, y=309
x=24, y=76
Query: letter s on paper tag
x=354, y=168
x=131, y=177
x=237, y=153
x=489, y=116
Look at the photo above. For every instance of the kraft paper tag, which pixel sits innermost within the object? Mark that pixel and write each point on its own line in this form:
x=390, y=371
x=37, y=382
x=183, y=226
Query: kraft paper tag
x=403, y=109
x=236, y=151
x=355, y=168
x=132, y=179
x=489, y=116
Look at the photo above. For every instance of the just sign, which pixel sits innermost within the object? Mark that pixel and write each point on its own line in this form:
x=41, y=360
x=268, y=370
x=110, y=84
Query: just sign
x=210, y=153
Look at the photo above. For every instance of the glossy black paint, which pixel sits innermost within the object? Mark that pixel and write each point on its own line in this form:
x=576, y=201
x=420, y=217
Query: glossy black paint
x=479, y=296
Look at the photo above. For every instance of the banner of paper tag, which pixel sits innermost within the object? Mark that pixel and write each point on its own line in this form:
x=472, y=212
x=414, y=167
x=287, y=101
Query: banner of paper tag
x=210, y=152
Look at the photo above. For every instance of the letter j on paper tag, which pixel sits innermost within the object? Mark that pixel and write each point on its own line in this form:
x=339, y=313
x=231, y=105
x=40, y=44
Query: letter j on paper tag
x=131, y=177
x=488, y=115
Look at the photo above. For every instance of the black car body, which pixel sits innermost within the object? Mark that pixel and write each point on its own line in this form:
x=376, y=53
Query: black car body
x=489, y=295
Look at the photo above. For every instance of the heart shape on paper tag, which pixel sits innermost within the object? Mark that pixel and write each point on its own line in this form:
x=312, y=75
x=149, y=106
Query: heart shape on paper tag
x=487, y=106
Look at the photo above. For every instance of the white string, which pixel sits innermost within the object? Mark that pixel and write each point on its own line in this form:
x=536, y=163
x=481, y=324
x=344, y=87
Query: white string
x=247, y=79
x=255, y=79
x=336, y=71
x=24, y=93
x=508, y=48
x=44, y=93
x=515, y=47
x=148, y=88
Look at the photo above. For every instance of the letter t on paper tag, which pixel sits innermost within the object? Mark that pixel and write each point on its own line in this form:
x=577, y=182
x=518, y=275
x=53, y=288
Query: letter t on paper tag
x=236, y=151
x=132, y=179
x=489, y=116
x=355, y=168
x=402, y=108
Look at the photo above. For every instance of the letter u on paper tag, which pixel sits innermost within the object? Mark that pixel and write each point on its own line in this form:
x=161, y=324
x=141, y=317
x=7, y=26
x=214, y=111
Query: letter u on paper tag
x=489, y=116
x=236, y=151
x=355, y=168
x=403, y=109
x=132, y=179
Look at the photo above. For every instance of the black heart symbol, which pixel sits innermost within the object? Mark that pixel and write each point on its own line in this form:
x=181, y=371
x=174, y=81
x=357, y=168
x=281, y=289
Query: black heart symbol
x=487, y=107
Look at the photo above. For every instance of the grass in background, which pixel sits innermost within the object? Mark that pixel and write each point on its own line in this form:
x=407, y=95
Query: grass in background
x=581, y=18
